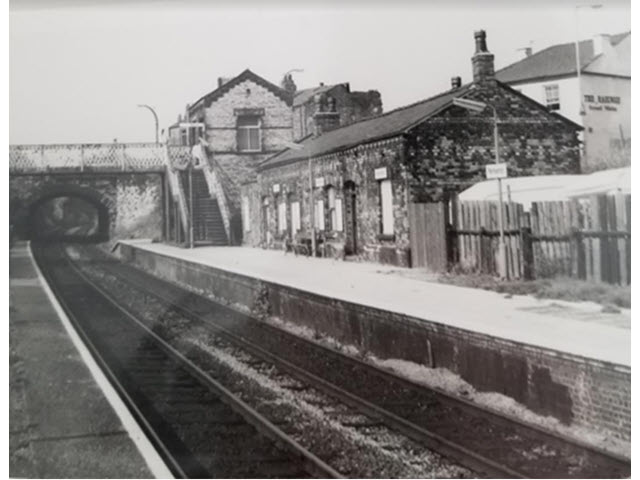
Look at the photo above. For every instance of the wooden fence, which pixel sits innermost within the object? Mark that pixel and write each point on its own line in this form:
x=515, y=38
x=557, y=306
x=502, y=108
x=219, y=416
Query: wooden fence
x=587, y=238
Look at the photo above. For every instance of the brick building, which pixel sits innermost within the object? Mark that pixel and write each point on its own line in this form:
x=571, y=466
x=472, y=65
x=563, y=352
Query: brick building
x=245, y=120
x=364, y=175
x=351, y=106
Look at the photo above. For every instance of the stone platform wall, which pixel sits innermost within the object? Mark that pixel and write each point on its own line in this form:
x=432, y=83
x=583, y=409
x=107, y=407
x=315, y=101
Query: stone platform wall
x=576, y=390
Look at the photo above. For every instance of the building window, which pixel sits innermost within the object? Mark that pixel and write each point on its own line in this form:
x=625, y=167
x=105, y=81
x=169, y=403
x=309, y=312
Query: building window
x=246, y=221
x=334, y=206
x=552, y=96
x=331, y=203
x=282, y=216
x=319, y=215
x=249, y=136
x=386, y=203
x=295, y=217
x=190, y=133
x=338, y=211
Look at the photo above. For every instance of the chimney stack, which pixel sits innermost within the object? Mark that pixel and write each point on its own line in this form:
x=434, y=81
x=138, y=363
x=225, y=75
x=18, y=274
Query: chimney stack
x=326, y=116
x=601, y=43
x=482, y=60
x=288, y=84
x=456, y=82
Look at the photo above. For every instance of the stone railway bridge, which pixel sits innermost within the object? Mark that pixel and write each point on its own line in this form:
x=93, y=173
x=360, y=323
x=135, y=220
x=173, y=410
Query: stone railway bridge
x=128, y=184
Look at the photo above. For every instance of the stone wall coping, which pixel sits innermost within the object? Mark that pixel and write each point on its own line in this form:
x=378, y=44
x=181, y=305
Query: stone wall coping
x=580, y=330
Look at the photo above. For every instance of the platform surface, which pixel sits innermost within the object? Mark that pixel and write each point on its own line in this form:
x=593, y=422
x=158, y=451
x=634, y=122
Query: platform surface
x=61, y=424
x=574, y=328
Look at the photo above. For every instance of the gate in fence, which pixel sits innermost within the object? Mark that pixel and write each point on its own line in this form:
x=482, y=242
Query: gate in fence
x=587, y=238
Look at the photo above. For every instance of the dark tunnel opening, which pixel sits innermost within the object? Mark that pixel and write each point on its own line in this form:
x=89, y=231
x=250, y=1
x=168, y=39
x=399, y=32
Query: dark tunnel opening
x=66, y=218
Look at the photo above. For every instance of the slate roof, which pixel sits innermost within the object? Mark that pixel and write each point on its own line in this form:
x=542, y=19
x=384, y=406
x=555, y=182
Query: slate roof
x=383, y=126
x=554, y=61
x=207, y=99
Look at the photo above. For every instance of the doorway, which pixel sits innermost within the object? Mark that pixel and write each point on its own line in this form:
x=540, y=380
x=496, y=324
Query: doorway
x=351, y=218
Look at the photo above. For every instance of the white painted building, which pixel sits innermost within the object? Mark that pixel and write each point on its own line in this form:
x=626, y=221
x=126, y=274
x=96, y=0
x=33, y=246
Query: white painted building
x=599, y=101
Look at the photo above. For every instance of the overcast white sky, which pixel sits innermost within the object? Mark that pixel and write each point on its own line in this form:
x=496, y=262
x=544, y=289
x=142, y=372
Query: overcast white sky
x=77, y=74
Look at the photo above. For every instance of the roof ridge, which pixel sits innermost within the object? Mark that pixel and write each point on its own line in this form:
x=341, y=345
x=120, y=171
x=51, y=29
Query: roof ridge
x=247, y=72
x=622, y=35
x=403, y=107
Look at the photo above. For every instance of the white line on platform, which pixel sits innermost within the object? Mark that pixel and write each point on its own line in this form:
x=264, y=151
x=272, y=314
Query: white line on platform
x=155, y=463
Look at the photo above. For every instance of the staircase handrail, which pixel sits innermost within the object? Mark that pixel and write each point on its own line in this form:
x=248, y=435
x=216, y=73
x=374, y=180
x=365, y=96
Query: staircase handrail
x=176, y=189
x=214, y=185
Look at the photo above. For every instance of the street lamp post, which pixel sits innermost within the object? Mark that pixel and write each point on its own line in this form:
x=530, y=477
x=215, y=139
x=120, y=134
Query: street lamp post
x=581, y=109
x=475, y=106
x=155, y=117
x=578, y=63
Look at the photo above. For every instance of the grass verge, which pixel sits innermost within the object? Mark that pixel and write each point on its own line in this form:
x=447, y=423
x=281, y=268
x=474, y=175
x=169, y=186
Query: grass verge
x=560, y=288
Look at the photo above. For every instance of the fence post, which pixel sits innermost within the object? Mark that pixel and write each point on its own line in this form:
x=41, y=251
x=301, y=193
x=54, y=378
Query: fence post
x=82, y=158
x=527, y=253
x=485, y=266
x=578, y=254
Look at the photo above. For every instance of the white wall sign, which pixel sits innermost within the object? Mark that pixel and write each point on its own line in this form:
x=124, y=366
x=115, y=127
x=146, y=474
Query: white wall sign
x=319, y=182
x=496, y=170
x=276, y=188
x=380, y=173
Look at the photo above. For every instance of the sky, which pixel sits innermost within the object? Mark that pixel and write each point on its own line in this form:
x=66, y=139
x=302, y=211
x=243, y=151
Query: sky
x=78, y=70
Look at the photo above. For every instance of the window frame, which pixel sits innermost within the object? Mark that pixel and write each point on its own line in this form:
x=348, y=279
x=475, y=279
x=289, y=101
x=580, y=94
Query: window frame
x=387, y=221
x=296, y=217
x=246, y=212
x=552, y=102
x=248, y=129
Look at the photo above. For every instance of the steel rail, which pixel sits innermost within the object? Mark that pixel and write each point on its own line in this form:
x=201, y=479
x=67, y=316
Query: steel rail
x=448, y=448
x=444, y=395
x=156, y=440
x=314, y=465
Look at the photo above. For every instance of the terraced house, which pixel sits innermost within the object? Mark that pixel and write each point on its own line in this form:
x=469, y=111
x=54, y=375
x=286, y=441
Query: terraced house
x=353, y=184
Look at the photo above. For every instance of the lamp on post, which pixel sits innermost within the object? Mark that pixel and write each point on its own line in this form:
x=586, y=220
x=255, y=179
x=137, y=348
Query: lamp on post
x=475, y=106
x=155, y=117
x=298, y=147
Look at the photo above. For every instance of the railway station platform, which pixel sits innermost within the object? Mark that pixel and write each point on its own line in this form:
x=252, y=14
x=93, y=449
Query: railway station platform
x=570, y=361
x=576, y=328
x=65, y=421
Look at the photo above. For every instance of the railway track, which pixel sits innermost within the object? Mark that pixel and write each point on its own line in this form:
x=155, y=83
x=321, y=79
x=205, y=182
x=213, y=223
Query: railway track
x=487, y=443
x=199, y=427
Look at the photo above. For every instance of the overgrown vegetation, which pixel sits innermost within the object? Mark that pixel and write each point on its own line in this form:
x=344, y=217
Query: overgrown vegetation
x=560, y=288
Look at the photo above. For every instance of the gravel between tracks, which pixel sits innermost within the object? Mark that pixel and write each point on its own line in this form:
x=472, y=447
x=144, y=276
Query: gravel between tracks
x=363, y=452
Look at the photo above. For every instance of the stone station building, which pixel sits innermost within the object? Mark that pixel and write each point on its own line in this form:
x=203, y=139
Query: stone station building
x=360, y=178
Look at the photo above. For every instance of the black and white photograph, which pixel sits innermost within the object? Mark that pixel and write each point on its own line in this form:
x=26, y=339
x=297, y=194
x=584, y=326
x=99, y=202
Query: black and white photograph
x=319, y=239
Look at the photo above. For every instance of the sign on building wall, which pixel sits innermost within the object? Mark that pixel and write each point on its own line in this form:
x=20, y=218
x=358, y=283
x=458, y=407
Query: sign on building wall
x=276, y=188
x=496, y=170
x=602, y=102
x=239, y=112
x=319, y=182
x=380, y=173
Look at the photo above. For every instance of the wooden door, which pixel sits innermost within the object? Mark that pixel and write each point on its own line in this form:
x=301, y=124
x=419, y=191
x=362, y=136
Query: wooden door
x=351, y=219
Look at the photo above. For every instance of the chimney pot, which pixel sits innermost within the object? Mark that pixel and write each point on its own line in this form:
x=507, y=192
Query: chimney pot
x=456, y=82
x=482, y=60
x=481, y=41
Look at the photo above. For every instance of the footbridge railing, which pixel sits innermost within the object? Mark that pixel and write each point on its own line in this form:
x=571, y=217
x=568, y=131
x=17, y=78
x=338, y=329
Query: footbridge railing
x=100, y=157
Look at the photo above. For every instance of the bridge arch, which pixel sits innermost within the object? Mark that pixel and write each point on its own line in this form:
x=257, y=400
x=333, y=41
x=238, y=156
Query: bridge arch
x=33, y=205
